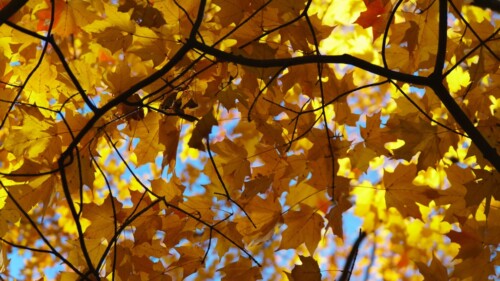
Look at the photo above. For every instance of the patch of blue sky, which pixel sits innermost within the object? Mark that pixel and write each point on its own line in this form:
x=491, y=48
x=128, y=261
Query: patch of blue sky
x=16, y=263
x=372, y=175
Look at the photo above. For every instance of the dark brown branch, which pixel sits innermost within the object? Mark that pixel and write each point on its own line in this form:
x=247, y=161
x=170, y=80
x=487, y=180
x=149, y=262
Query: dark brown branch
x=293, y=61
x=10, y=9
x=489, y=4
x=461, y=118
x=351, y=259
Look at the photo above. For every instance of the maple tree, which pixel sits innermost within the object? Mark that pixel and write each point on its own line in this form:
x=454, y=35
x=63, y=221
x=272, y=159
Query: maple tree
x=161, y=140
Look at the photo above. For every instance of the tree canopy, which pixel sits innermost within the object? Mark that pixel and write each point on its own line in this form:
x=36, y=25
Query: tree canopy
x=165, y=140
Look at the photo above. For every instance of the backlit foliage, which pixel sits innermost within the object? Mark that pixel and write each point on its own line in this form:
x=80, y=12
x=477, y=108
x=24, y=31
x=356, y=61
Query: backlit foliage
x=161, y=140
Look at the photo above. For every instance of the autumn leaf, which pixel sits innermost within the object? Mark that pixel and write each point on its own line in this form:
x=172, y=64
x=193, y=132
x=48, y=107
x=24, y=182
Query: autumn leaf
x=201, y=131
x=223, y=245
x=102, y=219
x=436, y=270
x=36, y=139
x=308, y=270
x=485, y=187
x=376, y=136
x=265, y=213
x=234, y=163
x=189, y=260
x=304, y=226
x=68, y=17
x=341, y=205
x=374, y=16
x=419, y=137
x=255, y=186
x=241, y=271
x=370, y=16
x=172, y=190
x=169, y=137
x=148, y=131
x=402, y=194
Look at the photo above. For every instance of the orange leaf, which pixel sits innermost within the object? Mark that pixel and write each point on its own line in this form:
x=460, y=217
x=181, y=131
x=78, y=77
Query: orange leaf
x=303, y=226
x=241, y=270
x=374, y=8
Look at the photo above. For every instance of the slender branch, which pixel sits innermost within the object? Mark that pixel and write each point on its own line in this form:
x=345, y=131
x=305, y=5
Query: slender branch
x=71, y=75
x=323, y=106
x=386, y=32
x=442, y=39
x=226, y=192
x=351, y=259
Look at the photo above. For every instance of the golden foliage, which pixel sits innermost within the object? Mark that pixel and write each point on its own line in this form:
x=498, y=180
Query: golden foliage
x=237, y=140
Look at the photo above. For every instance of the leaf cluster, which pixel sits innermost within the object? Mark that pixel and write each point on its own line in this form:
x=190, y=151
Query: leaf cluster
x=157, y=140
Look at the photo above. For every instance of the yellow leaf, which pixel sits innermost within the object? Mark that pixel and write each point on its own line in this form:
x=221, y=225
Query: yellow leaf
x=102, y=221
x=171, y=190
x=457, y=79
x=148, y=132
x=402, y=194
x=36, y=138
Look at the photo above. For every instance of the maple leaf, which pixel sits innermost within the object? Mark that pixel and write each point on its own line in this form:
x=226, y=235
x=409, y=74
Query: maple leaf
x=37, y=138
x=375, y=16
x=342, y=204
x=260, y=184
x=303, y=226
x=402, y=194
x=266, y=213
x=201, y=131
x=169, y=137
x=484, y=187
x=147, y=15
x=308, y=270
x=171, y=190
x=235, y=165
x=455, y=195
x=420, y=137
x=151, y=133
x=68, y=17
x=80, y=173
x=369, y=17
x=234, y=15
x=26, y=196
x=101, y=218
x=360, y=157
x=375, y=135
x=436, y=271
x=240, y=271
x=223, y=244
x=189, y=260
